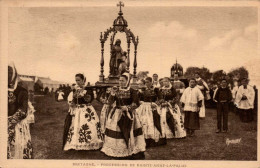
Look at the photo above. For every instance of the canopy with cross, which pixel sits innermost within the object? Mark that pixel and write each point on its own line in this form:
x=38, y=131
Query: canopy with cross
x=120, y=25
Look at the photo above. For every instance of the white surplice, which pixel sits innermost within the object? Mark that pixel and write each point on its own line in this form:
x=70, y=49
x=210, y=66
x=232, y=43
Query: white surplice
x=249, y=93
x=190, y=98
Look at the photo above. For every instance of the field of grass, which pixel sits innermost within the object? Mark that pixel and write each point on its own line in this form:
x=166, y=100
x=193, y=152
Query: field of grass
x=206, y=145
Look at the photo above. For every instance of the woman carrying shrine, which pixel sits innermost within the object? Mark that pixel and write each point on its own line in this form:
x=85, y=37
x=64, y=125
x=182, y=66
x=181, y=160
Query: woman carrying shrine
x=171, y=118
x=149, y=114
x=123, y=135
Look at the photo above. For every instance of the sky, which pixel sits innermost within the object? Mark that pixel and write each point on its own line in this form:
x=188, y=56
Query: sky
x=60, y=42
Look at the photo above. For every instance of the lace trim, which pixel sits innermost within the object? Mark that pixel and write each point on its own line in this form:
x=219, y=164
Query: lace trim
x=116, y=152
x=122, y=152
x=91, y=146
x=140, y=148
x=152, y=136
x=170, y=136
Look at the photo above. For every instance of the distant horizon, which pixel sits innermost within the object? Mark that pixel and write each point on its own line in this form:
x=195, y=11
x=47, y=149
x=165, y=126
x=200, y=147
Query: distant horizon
x=149, y=74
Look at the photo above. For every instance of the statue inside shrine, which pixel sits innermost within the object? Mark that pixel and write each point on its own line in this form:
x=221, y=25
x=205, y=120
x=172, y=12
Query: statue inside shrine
x=116, y=54
x=119, y=60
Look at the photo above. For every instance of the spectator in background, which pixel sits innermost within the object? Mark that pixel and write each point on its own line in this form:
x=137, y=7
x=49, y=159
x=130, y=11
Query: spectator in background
x=155, y=82
x=179, y=86
x=245, y=101
x=60, y=95
x=203, y=86
x=46, y=90
x=57, y=94
x=161, y=82
x=223, y=96
x=52, y=91
x=211, y=93
x=63, y=90
x=234, y=93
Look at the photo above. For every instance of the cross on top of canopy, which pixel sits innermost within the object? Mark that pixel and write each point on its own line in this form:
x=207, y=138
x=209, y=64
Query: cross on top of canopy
x=119, y=25
x=120, y=4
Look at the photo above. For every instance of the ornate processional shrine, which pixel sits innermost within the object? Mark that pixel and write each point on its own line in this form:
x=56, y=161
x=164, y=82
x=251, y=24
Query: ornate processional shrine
x=119, y=59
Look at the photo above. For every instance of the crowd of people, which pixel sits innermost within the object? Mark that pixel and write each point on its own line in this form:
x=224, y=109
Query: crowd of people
x=62, y=92
x=234, y=104
x=131, y=120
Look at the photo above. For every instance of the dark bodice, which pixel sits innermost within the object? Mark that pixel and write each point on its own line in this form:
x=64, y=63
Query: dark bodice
x=17, y=100
x=87, y=98
x=149, y=94
x=80, y=100
x=124, y=97
x=167, y=94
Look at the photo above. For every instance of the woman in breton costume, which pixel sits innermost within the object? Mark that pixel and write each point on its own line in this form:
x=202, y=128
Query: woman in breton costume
x=19, y=138
x=148, y=112
x=105, y=109
x=84, y=131
x=123, y=135
x=171, y=118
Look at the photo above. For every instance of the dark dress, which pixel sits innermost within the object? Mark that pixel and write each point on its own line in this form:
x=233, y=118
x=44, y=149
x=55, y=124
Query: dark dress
x=19, y=139
x=123, y=135
x=171, y=118
x=149, y=114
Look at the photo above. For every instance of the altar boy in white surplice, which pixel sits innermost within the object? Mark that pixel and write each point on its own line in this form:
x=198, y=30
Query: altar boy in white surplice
x=191, y=100
x=245, y=101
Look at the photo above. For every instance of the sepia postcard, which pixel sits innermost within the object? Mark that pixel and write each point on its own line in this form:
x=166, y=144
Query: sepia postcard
x=127, y=83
